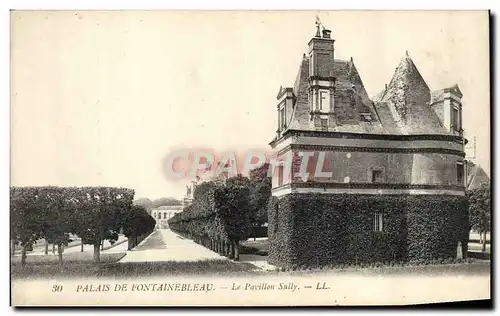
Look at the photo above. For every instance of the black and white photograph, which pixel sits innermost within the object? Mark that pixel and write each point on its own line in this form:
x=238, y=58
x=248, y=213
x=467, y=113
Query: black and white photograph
x=249, y=158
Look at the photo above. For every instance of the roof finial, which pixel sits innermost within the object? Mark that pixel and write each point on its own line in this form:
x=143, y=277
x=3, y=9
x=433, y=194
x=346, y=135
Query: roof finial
x=352, y=60
x=407, y=54
x=318, y=24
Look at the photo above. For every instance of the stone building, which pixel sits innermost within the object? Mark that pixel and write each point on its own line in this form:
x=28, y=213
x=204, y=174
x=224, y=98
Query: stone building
x=475, y=176
x=163, y=213
x=385, y=174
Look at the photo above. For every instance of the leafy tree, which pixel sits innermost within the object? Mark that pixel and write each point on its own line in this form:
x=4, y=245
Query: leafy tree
x=26, y=220
x=165, y=201
x=100, y=212
x=232, y=205
x=145, y=202
x=480, y=210
x=260, y=173
x=57, y=214
x=259, y=185
x=137, y=222
x=202, y=189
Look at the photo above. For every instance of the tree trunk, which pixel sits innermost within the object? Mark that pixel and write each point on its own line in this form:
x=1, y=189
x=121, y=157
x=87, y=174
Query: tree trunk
x=81, y=249
x=231, y=250
x=23, y=256
x=53, y=249
x=13, y=247
x=46, y=247
x=228, y=249
x=60, y=252
x=102, y=245
x=97, y=253
x=236, y=250
x=484, y=242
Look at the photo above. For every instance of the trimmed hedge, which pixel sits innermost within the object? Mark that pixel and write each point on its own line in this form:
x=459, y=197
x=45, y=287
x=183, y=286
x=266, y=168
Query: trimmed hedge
x=94, y=214
x=313, y=230
x=218, y=218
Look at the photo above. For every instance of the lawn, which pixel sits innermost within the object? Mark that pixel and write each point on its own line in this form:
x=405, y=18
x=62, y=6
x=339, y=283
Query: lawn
x=39, y=245
x=228, y=268
x=72, y=257
x=131, y=270
x=459, y=269
x=257, y=247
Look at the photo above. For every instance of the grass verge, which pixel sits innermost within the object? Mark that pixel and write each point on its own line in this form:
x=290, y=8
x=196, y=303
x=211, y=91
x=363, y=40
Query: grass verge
x=130, y=270
x=68, y=258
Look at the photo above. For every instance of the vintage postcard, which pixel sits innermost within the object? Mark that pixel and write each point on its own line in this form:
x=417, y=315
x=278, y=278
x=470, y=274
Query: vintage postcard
x=249, y=158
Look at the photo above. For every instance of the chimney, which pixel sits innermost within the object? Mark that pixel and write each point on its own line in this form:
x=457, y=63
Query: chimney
x=321, y=53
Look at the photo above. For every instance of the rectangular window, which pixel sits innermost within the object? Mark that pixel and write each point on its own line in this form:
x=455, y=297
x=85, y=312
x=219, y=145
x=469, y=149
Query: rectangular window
x=165, y=215
x=460, y=173
x=378, y=222
x=282, y=118
x=280, y=175
x=324, y=124
x=322, y=100
x=455, y=119
x=377, y=176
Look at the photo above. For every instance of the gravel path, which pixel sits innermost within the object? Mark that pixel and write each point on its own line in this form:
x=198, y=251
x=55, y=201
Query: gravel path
x=165, y=245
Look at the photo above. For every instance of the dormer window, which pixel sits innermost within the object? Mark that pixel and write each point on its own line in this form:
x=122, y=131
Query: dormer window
x=455, y=119
x=323, y=102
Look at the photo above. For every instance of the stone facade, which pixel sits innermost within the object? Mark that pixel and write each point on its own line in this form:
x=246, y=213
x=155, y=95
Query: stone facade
x=406, y=141
x=163, y=213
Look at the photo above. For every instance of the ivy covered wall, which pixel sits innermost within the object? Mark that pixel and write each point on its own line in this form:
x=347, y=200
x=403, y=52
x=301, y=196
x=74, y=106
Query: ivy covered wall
x=310, y=230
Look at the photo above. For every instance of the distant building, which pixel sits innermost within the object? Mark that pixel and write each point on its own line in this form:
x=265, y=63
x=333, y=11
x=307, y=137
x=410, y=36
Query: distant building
x=163, y=213
x=189, y=196
x=475, y=176
x=213, y=176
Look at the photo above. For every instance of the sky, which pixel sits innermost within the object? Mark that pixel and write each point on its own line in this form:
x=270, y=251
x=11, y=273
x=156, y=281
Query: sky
x=100, y=98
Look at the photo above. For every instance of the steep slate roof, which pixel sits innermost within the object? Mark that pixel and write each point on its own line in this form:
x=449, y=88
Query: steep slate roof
x=350, y=100
x=408, y=99
x=437, y=96
x=475, y=176
x=402, y=107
